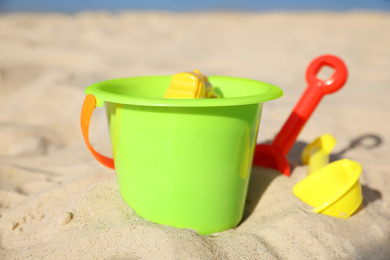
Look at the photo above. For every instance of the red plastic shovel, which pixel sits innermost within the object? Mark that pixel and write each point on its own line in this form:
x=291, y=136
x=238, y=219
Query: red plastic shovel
x=274, y=155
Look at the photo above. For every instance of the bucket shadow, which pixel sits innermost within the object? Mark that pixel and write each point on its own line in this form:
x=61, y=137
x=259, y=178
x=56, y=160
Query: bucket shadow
x=370, y=195
x=260, y=179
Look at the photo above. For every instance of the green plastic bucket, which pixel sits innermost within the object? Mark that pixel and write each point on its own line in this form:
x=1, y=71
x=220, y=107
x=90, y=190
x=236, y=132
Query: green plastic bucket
x=181, y=162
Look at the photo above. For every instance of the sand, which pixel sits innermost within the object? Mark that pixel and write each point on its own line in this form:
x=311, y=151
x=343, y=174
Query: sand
x=58, y=202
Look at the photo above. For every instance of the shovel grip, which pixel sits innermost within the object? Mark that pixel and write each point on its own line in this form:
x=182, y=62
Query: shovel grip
x=335, y=82
x=86, y=113
x=314, y=92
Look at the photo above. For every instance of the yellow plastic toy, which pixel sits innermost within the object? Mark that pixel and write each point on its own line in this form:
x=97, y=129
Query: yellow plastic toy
x=332, y=189
x=190, y=85
x=316, y=154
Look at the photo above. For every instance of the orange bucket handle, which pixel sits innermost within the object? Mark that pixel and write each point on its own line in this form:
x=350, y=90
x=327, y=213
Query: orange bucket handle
x=86, y=113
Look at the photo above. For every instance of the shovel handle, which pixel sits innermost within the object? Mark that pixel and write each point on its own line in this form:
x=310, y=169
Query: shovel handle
x=86, y=113
x=315, y=91
x=318, y=88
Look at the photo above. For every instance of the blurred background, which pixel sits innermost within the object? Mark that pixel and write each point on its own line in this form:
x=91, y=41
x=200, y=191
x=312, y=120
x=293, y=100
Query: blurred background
x=71, y=6
x=56, y=49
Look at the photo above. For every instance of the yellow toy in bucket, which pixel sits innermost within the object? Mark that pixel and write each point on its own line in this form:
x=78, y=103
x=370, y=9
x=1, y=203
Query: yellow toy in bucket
x=190, y=85
x=332, y=189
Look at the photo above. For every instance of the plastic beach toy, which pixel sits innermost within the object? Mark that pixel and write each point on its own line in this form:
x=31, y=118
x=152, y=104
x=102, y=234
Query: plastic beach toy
x=181, y=162
x=316, y=154
x=274, y=155
x=332, y=189
x=190, y=85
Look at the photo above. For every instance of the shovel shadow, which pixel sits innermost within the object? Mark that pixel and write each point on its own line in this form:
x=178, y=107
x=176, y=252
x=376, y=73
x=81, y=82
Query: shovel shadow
x=366, y=141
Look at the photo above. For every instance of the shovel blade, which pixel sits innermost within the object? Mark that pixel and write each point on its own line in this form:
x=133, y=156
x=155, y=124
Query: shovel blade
x=269, y=156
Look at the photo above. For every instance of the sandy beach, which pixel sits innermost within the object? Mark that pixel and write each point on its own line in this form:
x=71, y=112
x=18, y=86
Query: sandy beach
x=58, y=202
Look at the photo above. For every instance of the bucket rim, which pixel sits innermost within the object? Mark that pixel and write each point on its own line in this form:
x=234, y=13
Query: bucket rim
x=266, y=92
